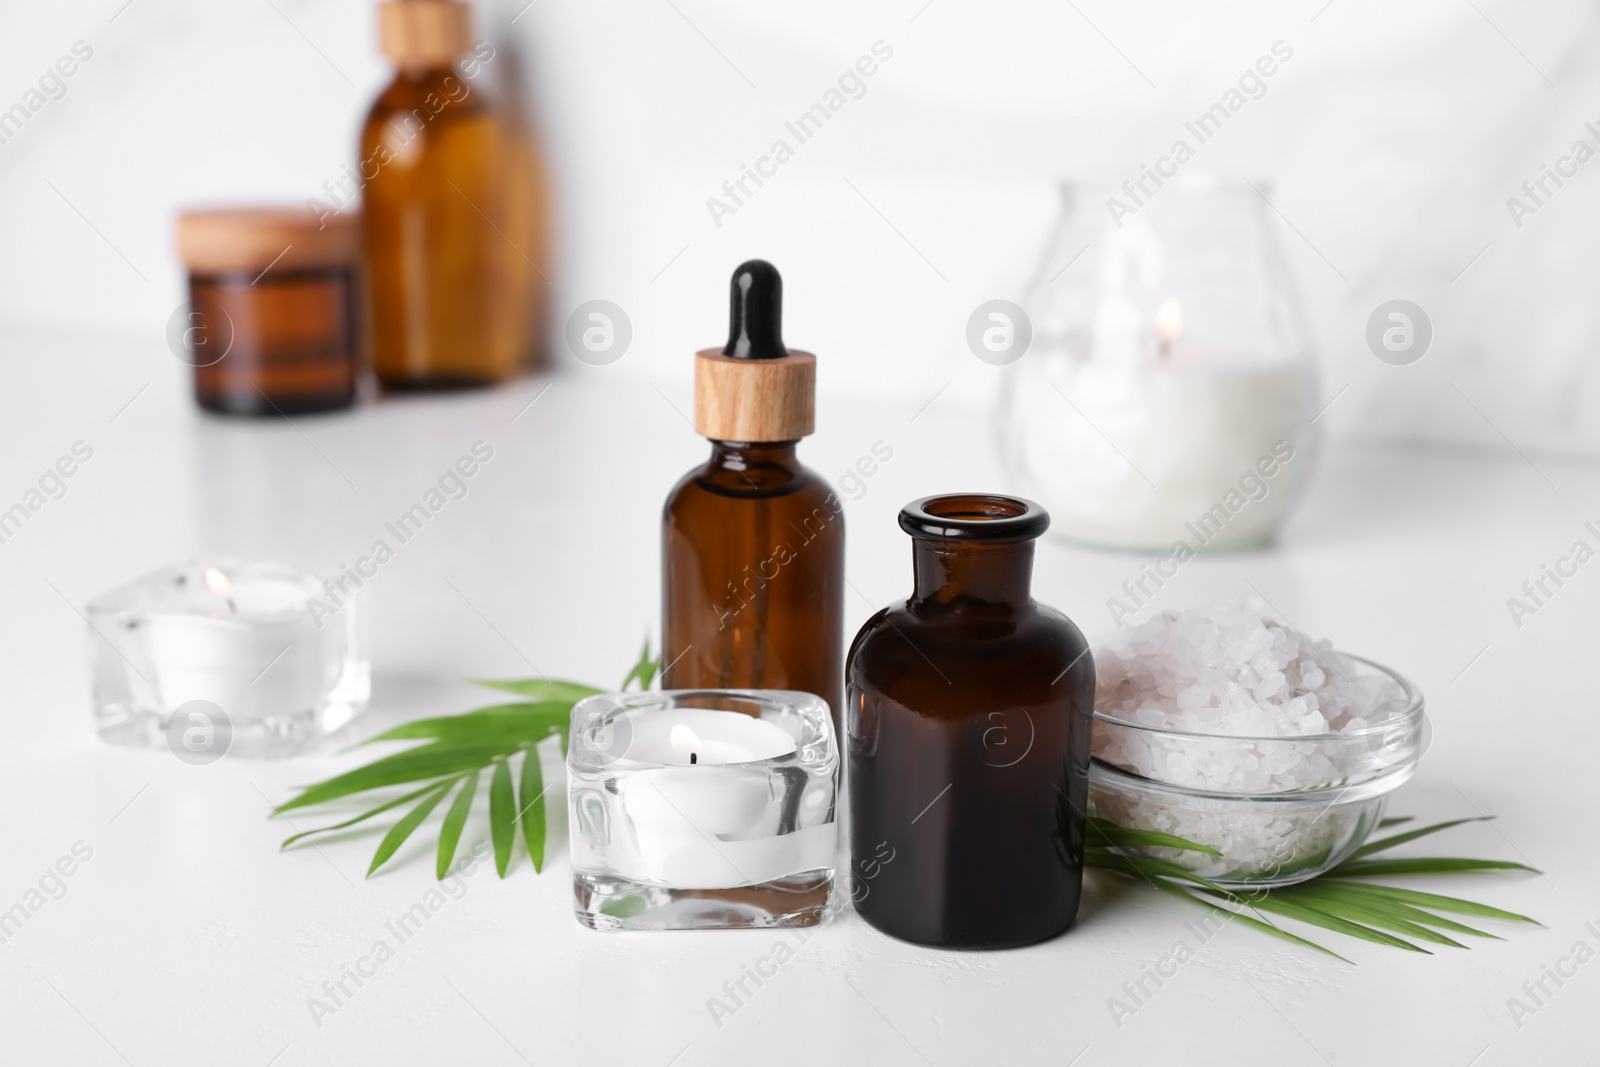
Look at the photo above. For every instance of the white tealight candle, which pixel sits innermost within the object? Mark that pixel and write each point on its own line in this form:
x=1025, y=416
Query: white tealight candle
x=253, y=650
x=676, y=795
x=688, y=816
x=238, y=636
x=712, y=737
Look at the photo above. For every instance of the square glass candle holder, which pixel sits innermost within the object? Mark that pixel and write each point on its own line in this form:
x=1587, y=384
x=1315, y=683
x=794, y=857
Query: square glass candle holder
x=702, y=809
x=252, y=659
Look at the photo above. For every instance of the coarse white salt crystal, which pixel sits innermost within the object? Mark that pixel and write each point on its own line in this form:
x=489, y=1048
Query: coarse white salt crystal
x=1229, y=671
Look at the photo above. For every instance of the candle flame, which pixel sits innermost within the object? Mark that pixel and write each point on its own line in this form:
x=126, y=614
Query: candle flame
x=683, y=739
x=1169, y=319
x=218, y=582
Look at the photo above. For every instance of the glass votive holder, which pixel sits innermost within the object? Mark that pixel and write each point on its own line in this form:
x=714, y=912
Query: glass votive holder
x=702, y=809
x=253, y=659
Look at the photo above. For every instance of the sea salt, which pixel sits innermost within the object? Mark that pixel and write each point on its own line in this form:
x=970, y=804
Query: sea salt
x=1238, y=677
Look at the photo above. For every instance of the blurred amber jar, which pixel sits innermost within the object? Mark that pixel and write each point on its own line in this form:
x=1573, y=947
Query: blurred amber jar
x=454, y=211
x=272, y=320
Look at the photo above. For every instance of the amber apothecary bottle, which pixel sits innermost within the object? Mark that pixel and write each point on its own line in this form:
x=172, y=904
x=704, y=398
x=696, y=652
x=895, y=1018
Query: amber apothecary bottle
x=752, y=551
x=968, y=736
x=272, y=324
x=454, y=203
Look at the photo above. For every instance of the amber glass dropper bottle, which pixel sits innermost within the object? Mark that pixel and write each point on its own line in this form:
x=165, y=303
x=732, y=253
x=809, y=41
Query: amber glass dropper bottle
x=453, y=210
x=752, y=549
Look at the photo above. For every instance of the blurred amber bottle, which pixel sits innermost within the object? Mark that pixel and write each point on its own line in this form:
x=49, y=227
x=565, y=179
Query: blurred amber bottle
x=455, y=211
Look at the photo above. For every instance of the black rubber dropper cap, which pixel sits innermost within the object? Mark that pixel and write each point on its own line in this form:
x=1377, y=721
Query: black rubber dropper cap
x=755, y=315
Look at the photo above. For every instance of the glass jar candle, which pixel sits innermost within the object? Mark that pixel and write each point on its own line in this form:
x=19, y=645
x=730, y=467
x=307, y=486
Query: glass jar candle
x=271, y=325
x=1170, y=388
x=702, y=809
x=969, y=731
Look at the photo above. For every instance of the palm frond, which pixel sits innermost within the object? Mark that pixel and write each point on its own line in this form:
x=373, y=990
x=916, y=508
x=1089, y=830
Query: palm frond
x=1339, y=900
x=459, y=749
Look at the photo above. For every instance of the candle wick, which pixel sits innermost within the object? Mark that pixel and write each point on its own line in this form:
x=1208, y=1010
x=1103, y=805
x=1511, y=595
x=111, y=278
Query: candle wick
x=232, y=608
x=693, y=759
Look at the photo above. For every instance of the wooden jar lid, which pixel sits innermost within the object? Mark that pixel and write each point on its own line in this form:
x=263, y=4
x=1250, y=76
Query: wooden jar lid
x=226, y=240
x=753, y=400
x=424, y=32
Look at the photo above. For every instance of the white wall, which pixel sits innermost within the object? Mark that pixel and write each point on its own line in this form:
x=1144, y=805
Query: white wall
x=1392, y=140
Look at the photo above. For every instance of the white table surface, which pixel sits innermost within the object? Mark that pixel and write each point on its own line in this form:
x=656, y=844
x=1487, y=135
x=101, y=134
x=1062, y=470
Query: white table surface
x=188, y=938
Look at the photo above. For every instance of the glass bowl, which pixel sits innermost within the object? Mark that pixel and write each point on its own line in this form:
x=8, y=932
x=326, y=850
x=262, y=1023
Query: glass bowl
x=1234, y=794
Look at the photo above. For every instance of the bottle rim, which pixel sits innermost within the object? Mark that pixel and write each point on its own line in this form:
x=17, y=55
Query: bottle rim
x=974, y=518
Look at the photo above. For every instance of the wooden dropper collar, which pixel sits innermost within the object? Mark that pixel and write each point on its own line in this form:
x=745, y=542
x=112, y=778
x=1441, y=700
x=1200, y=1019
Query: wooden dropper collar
x=424, y=33
x=753, y=388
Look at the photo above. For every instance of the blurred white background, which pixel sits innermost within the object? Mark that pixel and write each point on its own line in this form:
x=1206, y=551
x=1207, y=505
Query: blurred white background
x=1392, y=141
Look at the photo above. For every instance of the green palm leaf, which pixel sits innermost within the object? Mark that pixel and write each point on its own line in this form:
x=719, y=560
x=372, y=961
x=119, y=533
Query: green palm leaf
x=1332, y=891
x=644, y=672
x=1438, y=903
x=414, y=765
x=1278, y=931
x=454, y=820
x=1410, y=835
x=402, y=829
x=1238, y=916
x=502, y=815
x=507, y=724
x=1425, y=865
x=1375, y=913
x=1327, y=920
x=380, y=809
x=1334, y=901
x=533, y=824
x=1103, y=834
x=457, y=749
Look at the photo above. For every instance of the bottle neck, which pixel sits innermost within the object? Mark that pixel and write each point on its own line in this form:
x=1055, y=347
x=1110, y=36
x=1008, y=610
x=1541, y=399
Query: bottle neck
x=744, y=456
x=954, y=575
x=763, y=468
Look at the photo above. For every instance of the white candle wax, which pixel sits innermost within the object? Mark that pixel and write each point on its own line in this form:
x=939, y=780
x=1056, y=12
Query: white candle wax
x=1144, y=449
x=710, y=823
x=716, y=737
x=251, y=648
